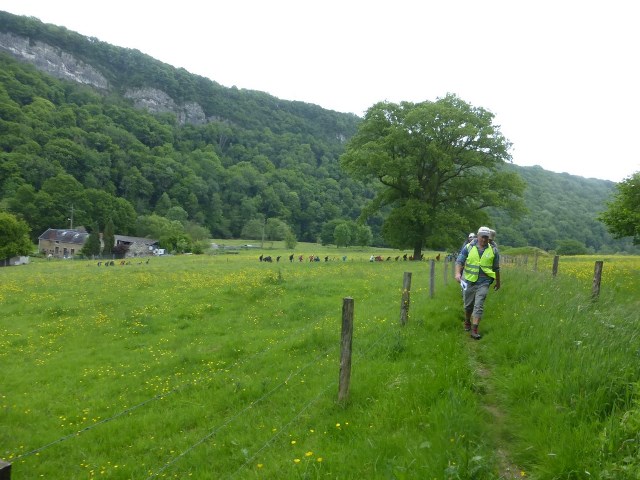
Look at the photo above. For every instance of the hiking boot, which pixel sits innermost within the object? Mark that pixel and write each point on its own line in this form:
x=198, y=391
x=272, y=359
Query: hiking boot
x=476, y=335
x=467, y=326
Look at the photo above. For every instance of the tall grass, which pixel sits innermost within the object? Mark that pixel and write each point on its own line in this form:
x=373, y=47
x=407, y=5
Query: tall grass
x=225, y=367
x=565, y=367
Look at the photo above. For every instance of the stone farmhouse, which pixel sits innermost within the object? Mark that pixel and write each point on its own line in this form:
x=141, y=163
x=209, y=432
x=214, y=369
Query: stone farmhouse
x=137, y=246
x=67, y=243
x=61, y=243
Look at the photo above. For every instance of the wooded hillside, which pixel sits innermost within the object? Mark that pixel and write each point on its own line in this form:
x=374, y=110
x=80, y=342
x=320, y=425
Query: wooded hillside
x=211, y=160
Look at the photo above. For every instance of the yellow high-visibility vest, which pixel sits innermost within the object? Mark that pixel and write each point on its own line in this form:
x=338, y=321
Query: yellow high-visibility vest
x=475, y=262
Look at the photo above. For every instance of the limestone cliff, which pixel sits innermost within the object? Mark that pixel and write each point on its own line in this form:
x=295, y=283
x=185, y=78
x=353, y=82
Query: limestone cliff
x=156, y=101
x=52, y=60
x=60, y=64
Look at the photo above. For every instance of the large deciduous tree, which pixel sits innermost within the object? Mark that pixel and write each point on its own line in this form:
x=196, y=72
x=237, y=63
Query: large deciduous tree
x=622, y=216
x=438, y=164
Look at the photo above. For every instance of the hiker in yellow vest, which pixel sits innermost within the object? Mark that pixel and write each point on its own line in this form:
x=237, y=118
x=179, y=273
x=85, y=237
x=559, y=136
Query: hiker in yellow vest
x=481, y=263
x=470, y=238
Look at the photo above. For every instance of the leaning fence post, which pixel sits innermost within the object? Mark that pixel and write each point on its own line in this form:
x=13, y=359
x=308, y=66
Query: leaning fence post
x=5, y=470
x=345, y=350
x=406, y=298
x=555, y=265
x=597, y=276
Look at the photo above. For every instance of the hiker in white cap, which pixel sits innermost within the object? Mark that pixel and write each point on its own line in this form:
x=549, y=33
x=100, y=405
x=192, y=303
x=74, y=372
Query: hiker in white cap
x=470, y=238
x=481, y=263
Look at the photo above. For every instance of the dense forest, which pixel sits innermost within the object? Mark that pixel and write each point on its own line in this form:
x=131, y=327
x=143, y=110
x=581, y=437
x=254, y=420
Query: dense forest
x=70, y=152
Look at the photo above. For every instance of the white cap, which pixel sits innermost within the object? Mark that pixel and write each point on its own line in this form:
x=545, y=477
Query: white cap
x=484, y=232
x=472, y=235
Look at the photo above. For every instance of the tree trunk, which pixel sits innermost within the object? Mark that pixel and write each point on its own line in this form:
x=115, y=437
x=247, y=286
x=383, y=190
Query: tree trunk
x=417, y=252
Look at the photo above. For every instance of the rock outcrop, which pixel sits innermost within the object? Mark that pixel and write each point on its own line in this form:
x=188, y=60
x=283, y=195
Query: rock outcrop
x=156, y=101
x=52, y=60
x=60, y=64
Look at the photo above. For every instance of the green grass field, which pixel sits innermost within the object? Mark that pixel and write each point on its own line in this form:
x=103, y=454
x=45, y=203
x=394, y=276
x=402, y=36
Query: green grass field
x=220, y=366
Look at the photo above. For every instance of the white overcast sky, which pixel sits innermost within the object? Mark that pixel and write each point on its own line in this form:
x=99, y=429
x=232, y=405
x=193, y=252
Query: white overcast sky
x=561, y=76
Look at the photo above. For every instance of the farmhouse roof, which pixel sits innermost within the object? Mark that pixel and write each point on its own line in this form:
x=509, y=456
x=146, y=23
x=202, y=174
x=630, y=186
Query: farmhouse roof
x=129, y=240
x=64, y=236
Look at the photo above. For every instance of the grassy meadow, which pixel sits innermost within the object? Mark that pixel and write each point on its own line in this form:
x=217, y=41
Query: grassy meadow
x=221, y=366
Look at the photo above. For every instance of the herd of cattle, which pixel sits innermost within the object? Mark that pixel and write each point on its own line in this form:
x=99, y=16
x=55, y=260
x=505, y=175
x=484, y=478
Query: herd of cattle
x=315, y=258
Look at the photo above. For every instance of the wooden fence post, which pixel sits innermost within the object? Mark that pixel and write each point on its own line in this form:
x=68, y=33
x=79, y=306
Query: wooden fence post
x=432, y=278
x=446, y=266
x=597, y=276
x=406, y=298
x=345, y=350
x=5, y=470
x=555, y=265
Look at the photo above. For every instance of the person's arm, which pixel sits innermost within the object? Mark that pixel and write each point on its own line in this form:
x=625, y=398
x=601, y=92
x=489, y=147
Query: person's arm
x=496, y=268
x=460, y=261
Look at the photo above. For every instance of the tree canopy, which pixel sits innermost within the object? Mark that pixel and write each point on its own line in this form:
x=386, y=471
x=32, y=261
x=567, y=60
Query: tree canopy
x=14, y=237
x=438, y=166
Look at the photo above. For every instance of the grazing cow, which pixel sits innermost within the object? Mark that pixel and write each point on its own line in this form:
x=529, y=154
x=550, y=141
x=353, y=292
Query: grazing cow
x=378, y=258
x=438, y=257
x=267, y=259
x=260, y=258
x=396, y=259
x=291, y=257
x=278, y=258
